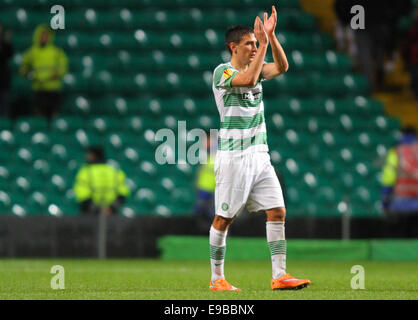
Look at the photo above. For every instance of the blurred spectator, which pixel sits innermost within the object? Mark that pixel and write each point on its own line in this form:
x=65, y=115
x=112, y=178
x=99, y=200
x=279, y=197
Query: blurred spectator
x=45, y=64
x=380, y=37
x=344, y=34
x=99, y=186
x=6, y=52
x=400, y=175
x=410, y=54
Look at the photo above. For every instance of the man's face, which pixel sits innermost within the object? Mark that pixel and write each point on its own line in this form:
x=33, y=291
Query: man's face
x=44, y=37
x=247, y=48
x=91, y=157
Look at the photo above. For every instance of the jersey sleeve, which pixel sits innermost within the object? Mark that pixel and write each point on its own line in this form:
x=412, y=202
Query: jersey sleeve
x=261, y=77
x=223, y=76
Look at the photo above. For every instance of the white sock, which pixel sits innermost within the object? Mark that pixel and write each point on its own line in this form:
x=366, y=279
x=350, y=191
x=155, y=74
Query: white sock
x=277, y=244
x=217, y=242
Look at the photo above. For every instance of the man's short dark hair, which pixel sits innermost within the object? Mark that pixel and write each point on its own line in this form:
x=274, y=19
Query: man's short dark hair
x=409, y=130
x=98, y=152
x=235, y=34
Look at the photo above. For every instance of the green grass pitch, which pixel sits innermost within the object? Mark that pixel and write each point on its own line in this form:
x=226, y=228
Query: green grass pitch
x=188, y=280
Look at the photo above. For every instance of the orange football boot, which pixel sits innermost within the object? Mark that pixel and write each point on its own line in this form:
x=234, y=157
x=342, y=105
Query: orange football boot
x=222, y=285
x=287, y=282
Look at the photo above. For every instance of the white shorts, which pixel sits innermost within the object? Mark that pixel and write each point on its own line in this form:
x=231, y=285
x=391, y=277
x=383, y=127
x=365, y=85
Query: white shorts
x=248, y=180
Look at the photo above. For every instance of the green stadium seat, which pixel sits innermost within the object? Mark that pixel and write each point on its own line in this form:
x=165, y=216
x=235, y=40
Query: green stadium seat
x=145, y=198
x=74, y=165
x=62, y=153
x=60, y=183
x=346, y=181
x=135, y=124
x=277, y=123
x=113, y=106
x=323, y=62
x=41, y=140
x=78, y=41
x=346, y=123
x=163, y=209
x=77, y=83
x=327, y=195
x=20, y=209
x=183, y=197
x=92, y=19
x=5, y=203
x=30, y=125
x=191, y=107
x=148, y=139
x=130, y=156
x=185, y=172
x=5, y=124
x=129, y=210
x=28, y=155
x=5, y=174
x=366, y=106
x=147, y=171
x=168, y=121
x=26, y=184
x=37, y=203
x=336, y=62
x=346, y=154
x=23, y=18
x=7, y=141
x=205, y=122
x=57, y=206
x=296, y=140
x=85, y=138
x=41, y=168
x=291, y=84
x=23, y=139
x=75, y=105
x=114, y=142
x=103, y=125
x=386, y=124
x=327, y=140
x=67, y=124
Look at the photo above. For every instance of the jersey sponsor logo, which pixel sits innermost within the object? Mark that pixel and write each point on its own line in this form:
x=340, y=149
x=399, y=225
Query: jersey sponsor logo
x=227, y=73
x=251, y=96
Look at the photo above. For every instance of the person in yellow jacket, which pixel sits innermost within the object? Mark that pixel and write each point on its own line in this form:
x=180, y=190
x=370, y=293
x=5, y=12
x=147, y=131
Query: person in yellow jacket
x=99, y=186
x=205, y=204
x=45, y=64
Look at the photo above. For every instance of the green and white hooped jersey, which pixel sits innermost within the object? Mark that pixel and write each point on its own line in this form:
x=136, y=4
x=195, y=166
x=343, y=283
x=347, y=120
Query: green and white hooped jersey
x=241, y=110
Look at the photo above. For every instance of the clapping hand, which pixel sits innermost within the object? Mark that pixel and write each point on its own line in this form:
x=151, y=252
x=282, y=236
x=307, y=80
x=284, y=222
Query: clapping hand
x=259, y=32
x=270, y=23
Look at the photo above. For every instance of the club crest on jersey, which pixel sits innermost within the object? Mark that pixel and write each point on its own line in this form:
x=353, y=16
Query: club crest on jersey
x=227, y=73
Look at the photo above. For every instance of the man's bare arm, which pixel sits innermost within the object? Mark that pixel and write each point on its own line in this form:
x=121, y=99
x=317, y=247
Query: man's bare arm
x=280, y=64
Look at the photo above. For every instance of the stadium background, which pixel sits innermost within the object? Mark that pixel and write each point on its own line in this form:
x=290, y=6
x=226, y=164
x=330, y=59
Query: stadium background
x=138, y=66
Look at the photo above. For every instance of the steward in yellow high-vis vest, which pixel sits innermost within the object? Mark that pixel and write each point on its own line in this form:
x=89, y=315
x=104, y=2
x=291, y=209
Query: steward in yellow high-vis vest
x=400, y=175
x=99, y=186
x=205, y=206
x=45, y=64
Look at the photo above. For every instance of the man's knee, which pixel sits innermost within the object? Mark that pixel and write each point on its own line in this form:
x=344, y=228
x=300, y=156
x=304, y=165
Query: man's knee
x=276, y=214
x=221, y=223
